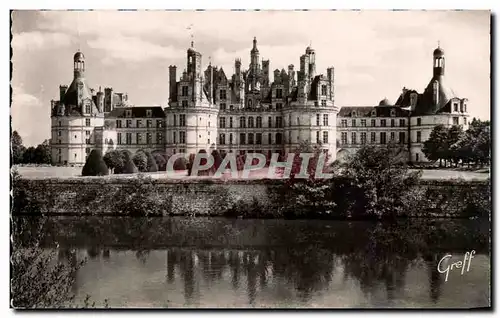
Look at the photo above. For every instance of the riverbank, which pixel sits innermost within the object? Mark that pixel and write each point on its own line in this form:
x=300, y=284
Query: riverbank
x=264, y=198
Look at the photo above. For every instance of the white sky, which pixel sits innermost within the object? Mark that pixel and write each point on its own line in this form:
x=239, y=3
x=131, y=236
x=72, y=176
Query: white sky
x=375, y=53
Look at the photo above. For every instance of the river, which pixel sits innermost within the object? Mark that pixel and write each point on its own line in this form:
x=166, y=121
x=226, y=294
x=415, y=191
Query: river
x=217, y=262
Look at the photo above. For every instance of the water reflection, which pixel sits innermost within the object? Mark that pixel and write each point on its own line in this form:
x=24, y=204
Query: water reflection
x=339, y=265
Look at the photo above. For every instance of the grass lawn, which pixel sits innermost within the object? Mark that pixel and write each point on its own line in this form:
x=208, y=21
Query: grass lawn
x=34, y=172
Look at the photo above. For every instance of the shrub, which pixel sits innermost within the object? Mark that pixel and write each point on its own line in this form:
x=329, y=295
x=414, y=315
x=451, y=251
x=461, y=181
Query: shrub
x=151, y=162
x=180, y=164
x=95, y=165
x=114, y=159
x=217, y=160
x=141, y=161
x=128, y=164
x=161, y=161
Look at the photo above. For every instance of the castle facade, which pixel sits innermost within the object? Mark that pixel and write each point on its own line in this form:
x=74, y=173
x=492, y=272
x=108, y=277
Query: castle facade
x=246, y=112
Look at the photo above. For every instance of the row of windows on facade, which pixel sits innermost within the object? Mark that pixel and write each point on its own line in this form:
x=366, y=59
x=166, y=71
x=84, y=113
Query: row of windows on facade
x=383, y=122
x=149, y=123
x=258, y=121
x=128, y=112
x=373, y=137
x=138, y=139
x=278, y=92
x=249, y=138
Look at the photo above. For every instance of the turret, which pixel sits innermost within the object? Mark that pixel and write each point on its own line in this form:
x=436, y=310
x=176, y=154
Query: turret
x=438, y=62
x=79, y=65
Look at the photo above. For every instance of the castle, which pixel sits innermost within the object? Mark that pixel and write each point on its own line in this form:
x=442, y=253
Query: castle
x=246, y=113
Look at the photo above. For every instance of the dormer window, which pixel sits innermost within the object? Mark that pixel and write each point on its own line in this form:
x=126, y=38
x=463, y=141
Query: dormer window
x=353, y=113
x=393, y=112
x=149, y=112
x=374, y=113
x=128, y=113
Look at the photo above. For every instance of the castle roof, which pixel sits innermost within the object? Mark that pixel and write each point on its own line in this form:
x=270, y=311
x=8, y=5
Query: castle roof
x=366, y=111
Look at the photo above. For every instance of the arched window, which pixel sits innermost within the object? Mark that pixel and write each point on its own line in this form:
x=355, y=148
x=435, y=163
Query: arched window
x=353, y=114
x=250, y=122
x=242, y=122
x=374, y=113
x=249, y=103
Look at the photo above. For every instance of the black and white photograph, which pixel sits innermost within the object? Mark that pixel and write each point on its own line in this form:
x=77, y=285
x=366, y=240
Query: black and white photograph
x=243, y=159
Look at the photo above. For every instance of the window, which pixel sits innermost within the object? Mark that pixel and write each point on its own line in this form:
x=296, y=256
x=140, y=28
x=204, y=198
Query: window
x=250, y=122
x=317, y=137
x=382, y=123
x=231, y=107
x=316, y=103
x=353, y=122
x=118, y=123
x=289, y=137
x=149, y=123
x=250, y=139
x=175, y=120
x=139, y=138
x=465, y=120
x=374, y=113
x=374, y=123
x=416, y=157
x=289, y=120
x=242, y=122
x=230, y=139
x=393, y=136
x=159, y=138
x=242, y=139
x=175, y=137
x=353, y=138
x=279, y=139
x=325, y=119
x=128, y=138
x=393, y=123
x=393, y=113
x=323, y=90
x=455, y=107
x=230, y=122
x=325, y=137
x=129, y=123
x=373, y=138
x=87, y=141
x=402, y=123
x=317, y=119
x=222, y=139
x=222, y=122
x=208, y=141
x=182, y=120
x=269, y=122
x=279, y=94
x=343, y=123
x=159, y=123
x=258, y=138
x=419, y=121
x=60, y=124
x=87, y=150
x=88, y=109
x=363, y=138
x=182, y=137
x=258, y=122
x=270, y=139
x=455, y=120
x=87, y=122
x=279, y=122
x=363, y=122
x=249, y=103
x=383, y=138
x=402, y=137
x=87, y=132
x=223, y=94
x=279, y=105
x=138, y=123
x=149, y=138
x=149, y=113
x=59, y=133
x=323, y=103
x=222, y=106
x=184, y=91
x=184, y=103
x=119, y=138
x=343, y=138
x=419, y=136
x=128, y=113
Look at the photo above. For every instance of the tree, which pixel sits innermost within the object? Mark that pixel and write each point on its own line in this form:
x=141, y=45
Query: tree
x=161, y=161
x=128, y=164
x=435, y=148
x=181, y=164
x=380, y=182
x=151, y=162
x=42, y=153
x=95, y=165
x=29, y=155
x=17, y=147
x=141, y=161
x=454, y=134
x=115, y=160
x=307, y=147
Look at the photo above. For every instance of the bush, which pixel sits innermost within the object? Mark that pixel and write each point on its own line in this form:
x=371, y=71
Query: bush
x=180, y=164
x=152, y=167
x=114, y=159
x=141, y=161
x=95, y=165
x=161, y=161
x=128, y=164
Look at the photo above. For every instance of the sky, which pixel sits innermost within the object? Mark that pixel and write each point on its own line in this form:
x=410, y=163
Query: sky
x=375, y=53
